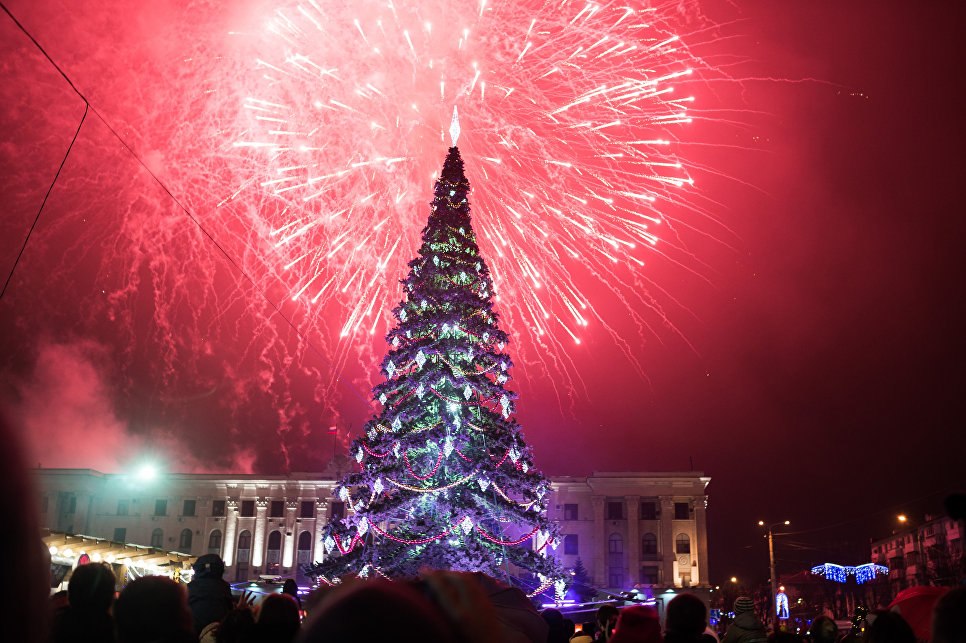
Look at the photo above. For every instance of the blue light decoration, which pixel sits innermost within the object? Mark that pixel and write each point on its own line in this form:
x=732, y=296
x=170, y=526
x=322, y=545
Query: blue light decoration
x=839, y=574
x=781, y=605
x=867, y=572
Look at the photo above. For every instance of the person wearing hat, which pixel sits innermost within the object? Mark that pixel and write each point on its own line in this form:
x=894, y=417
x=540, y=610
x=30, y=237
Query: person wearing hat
x=746, y=627
x=209, y=595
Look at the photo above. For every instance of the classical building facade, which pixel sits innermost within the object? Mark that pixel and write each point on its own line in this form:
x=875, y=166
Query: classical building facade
x=628, y=529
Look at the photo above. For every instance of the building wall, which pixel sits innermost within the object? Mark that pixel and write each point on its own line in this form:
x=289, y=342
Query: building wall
x=180, y=512
x=930, y=553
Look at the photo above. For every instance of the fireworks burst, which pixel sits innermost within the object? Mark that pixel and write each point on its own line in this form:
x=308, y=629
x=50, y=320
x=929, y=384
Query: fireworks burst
x=570, y=114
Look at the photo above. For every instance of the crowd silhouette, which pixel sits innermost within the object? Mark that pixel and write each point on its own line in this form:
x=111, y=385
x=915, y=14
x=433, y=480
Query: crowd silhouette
x=443, y=606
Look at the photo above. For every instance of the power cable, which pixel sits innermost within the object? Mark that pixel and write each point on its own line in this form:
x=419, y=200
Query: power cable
x=90, y=108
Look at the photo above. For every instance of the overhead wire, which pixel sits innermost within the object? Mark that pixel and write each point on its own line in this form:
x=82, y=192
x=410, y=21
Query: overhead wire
x=90, y=108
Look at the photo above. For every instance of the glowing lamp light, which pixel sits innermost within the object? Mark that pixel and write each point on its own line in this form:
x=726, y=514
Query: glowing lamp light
x=146, y=472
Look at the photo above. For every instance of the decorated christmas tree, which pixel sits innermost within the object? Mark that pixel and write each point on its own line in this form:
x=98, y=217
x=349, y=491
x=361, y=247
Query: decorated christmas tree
x=447, y=480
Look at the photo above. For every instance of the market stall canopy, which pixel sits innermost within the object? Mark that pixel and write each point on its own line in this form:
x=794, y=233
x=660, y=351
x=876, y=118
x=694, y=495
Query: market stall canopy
x=73, y=549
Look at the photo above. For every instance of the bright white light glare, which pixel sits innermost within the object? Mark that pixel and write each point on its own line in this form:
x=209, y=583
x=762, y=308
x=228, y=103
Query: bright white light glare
x=146, y=472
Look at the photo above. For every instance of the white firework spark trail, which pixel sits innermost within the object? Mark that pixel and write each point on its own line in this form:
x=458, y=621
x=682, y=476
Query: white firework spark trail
x=571, y=113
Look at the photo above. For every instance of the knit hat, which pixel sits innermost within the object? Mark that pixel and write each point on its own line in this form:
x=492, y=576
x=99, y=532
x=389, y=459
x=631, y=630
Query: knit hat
x=744, y=604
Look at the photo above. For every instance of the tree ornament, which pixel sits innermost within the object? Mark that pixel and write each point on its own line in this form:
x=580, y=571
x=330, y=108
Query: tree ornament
x=467, y=392
x=390, y=368
x=420, y=358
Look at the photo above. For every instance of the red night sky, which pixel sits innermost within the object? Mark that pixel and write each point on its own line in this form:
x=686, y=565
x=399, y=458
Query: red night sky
x=804, y=342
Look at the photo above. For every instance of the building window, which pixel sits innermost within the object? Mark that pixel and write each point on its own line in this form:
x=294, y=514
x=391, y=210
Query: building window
x=247, y=508
x=157, y=538
x=648, y=510
x=615, y=510
x=686, y=579
x=122, y=507
x=307, y=509
x=615, y=544
x=570, y=544
x=188, y=508
x=570, y=512
x=160, y=507
x=649, y=545
x=682, y=511
x=338, y=510
x=244, y=547
x=682, y=544
x=616, y=578
x=276, y=509
x=214, y=542
x=649, y=575
x=273, y=556
x=184, y=543
x=304, y=548
x=218, y=508
x=244, y=554
x=120, y=534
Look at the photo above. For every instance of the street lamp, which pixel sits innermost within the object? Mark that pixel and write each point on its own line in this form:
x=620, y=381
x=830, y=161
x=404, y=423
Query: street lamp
x=734, y=579
x=771, y=561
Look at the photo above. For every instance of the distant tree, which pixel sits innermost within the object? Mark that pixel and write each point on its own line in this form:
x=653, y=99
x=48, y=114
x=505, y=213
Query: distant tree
x=582, y=586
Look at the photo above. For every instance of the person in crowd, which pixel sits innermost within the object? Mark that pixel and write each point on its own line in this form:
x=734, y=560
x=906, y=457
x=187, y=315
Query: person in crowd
x=25, y=594
x=887, y=627
x=785, y=637
x=606, y=621
x=237, y=627
x=637, y=624
x=949, y=617
x=555, y=622
x=153, y=609
x=209, y=595
x=685, y=620
x=87, y=617
x=278, y=619
x=569, y=628
x=746, y=628
x=291, y=588
x=823, y=630
x=377, y=610
x=586, y=633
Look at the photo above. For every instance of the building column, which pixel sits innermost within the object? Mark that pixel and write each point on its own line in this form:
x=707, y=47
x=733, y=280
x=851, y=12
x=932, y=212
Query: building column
x=318, y=553
x=701, y=533
x=667, y=541
x=633, y=539
x=231, y=525
x=291, y=533
x=599, y=573
x=258, y=537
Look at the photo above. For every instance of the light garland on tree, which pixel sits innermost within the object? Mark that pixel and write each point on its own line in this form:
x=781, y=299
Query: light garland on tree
x=432, y=459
